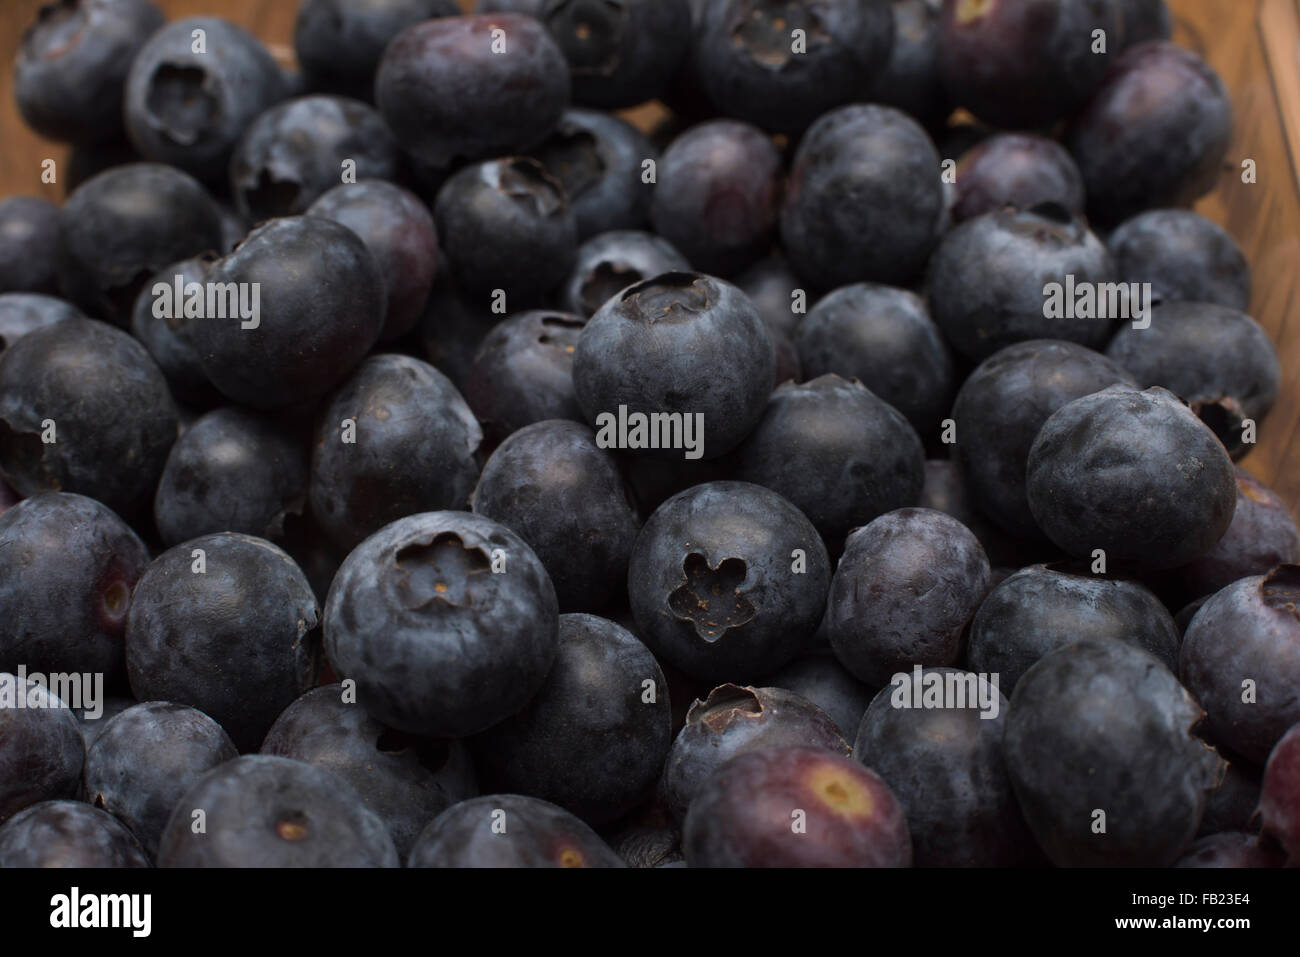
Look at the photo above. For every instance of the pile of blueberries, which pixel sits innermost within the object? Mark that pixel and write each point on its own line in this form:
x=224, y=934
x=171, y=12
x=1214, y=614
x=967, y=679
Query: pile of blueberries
x=394, y=445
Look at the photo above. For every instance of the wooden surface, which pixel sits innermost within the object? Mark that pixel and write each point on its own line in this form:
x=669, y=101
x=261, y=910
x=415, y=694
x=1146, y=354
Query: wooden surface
x=1254, y=44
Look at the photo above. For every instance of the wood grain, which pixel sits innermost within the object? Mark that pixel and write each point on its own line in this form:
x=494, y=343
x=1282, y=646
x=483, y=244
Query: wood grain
x=1254, y=44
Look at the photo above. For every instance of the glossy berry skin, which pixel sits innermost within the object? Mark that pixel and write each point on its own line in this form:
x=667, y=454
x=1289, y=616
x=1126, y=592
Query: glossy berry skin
x=339, y=42
x=58, y=616
x=265, y=811
x=945, y=766
x=743, y=815
x=716, y=587
x=591, y=740
x=554, y=486
x=733, y=720
x=120, y=227
x=1154, y=134
x=1159, y=508
x=1023, y=63
x=911, y=82
x=902, y=594
x=717, y=195
x=744, y=61
x=610, y=262
x=598, y=159
x=231, y=471
x=41, y=748
x=109, y=405
x=1144, y=20
x=836, y=451
x=321, y=309
x=169, y=339
x=1230, y=849
x=449, y=93
x=1044, y=607
x=886, y=234
x=680, y=342
x=1103, y=726
x=146, y=758
x=1247, y=632
x=506, y=224
x=883, y=337
x=238, y=640
x=68, y=834
x=29, y=245
x=405, y=780
x=510, y=830
x=1279, y=804
x=1185, y=257
x=821, y=679
x=1000, y=409
x=188, y=109
x=438, y=644
x=72, y=66
x=1016, y=169
x=413, y=448
x=21, y=312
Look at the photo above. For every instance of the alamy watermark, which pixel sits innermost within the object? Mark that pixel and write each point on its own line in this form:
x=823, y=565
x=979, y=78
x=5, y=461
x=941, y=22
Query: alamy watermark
x=946, y=689
x=37, y=691
x=653, y=430
x=1103, y=300
x=208, y=300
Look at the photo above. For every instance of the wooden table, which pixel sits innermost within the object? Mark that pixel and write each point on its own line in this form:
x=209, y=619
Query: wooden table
x=1254, y=44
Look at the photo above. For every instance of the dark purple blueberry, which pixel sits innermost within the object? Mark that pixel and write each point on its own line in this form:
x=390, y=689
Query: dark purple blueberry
x=1016, y=169
x=1279, y=804
x=946, y=491
x=394, y=440
x=94, y=720
x=22, y=312
x=84, y=409
x=821, y=679
x=912, y=82
x=41, y=748
x=610, y=262
x=266, y=811
x=728, y=581
x=472, y=87
x=510, y=830
x=158, y=320
x=453, y=327
x=1143, y=21
x=1135, y=474
x=776, y=293
x=1185, y=257
x=227, y=624
x=902, y=594
x=68, y=834
x=1230, y=849
x=553, y=485
x=29, y=245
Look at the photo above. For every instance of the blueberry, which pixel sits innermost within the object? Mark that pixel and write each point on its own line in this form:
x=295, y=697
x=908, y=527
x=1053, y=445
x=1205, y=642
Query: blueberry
x=117, y=229
x=398, y=230
x=655, y=481
x=821, y=679
x=1185, y=257
x=438, y=642
x=454, y=88
x=188, y=107
x=1241, y=659
x=945, y=766
x=1230, y=849
x=774, y=290
x=885, y=338
x=1016, y=169
x=746, y=61
x=509, y=830
x=912, y=82
x=506, y=224
x=1001, y=408
x=1135, y=474
x=733, y=720
x=727, y=581
x=1098, y=734
x=742, y=816
x=1154, y=134
x=339, y=42
x=146, y=758
x=110, y=707
x=29, y=245
x=265, y=811
x=553, y=485
x=41, y=748
x=407, y=781
x=599, y=160
x=1279, y=804
x=1024, y=64
x=610, y=262
x=1231, y=805
x=648, y=846
x=169, y=338
x=837, y=452
x=717, y=194
x=1044, y=607
x=594, y=738
x=78, y=399
x=72, y=66
x=452, y=328
x=903, y=592
x=21, y=312
x=886, y=162
x=946, y=491
x=231, y=471
x=68, y=834
x=292, y=153
x=320, y=309
x=227, y=624
x=1144, y=20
